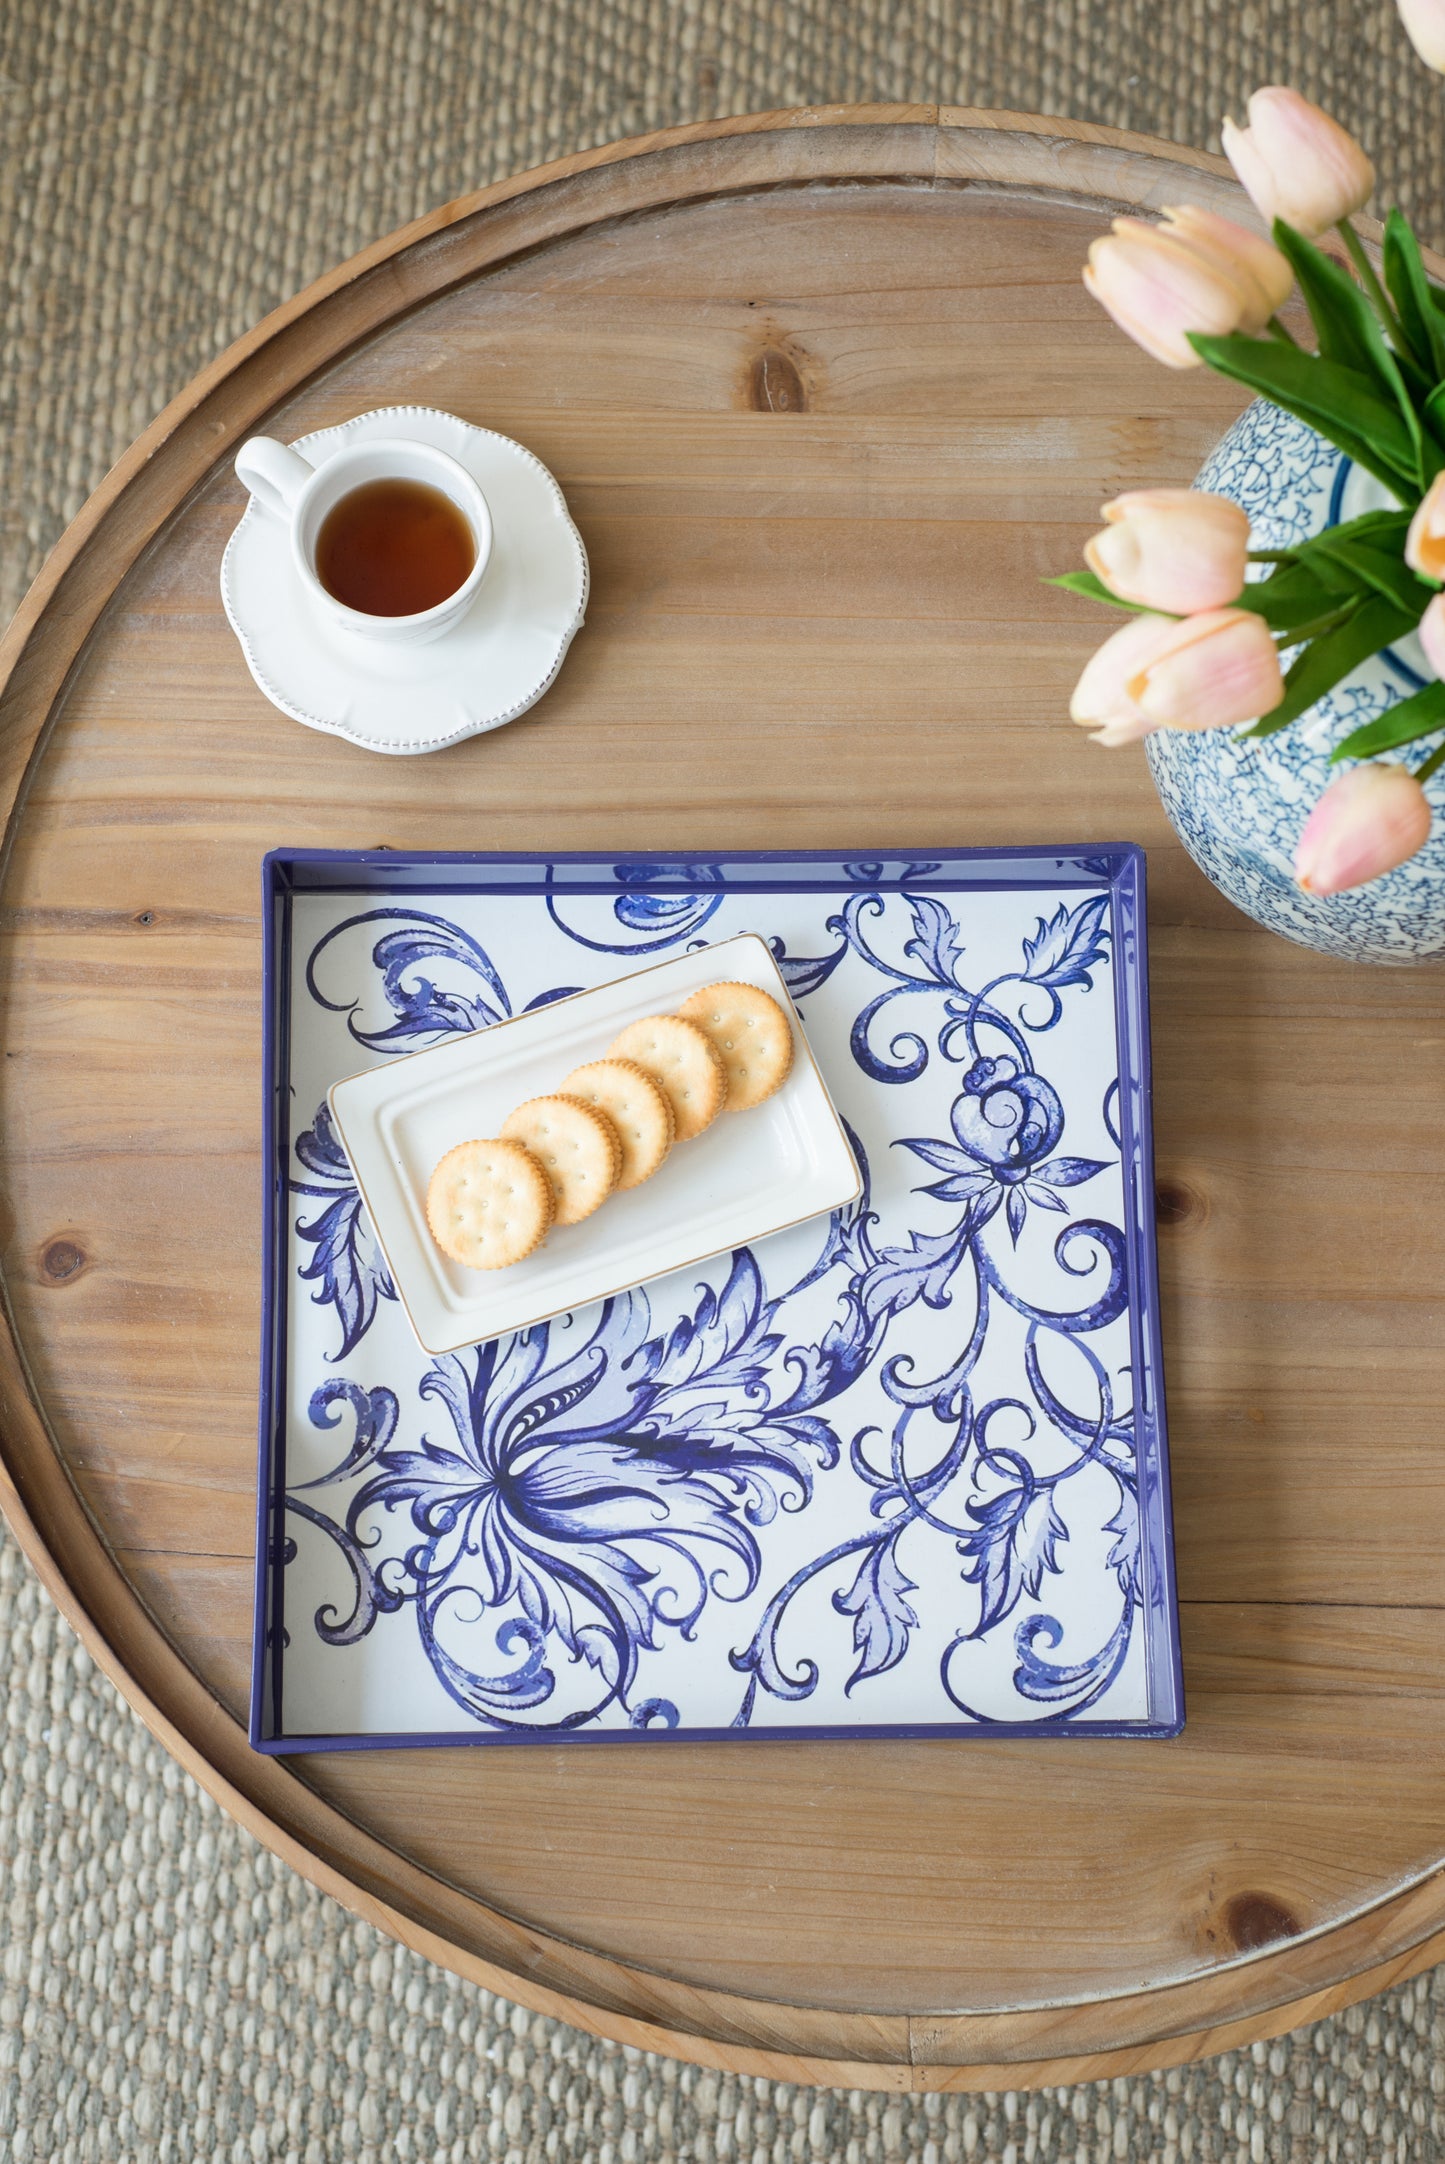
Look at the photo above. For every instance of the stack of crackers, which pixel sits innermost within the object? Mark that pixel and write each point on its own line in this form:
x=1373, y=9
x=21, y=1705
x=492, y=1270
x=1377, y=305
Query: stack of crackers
x=665, y=1079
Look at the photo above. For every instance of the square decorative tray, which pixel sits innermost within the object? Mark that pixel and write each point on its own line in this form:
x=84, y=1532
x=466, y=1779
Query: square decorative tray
x=901, y=1471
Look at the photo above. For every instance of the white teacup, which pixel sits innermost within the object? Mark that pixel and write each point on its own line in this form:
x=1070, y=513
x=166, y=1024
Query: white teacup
x=299, y=495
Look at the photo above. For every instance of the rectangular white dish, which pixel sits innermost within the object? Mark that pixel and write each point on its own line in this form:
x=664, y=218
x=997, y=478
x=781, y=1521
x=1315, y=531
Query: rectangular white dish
x=749, y=1175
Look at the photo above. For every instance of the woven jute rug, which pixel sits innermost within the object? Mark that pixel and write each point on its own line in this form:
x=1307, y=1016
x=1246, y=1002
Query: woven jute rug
x=169, y=170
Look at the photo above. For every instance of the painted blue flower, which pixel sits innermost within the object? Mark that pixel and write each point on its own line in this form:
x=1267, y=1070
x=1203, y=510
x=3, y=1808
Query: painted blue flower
x=583, y=1507
x=1005, y=1120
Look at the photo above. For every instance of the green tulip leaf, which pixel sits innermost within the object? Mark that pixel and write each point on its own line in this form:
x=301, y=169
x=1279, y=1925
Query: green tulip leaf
x=1339, y=402
x=1332, y=656
x=1349, y=331
x=1410, y=290
x=1373, y=569
x=1093, y=589
x=1422, y=714
x=1345, y=324
x=1330, y=557
x=1385, y=529
x=1289, y=597
x=1335, y=572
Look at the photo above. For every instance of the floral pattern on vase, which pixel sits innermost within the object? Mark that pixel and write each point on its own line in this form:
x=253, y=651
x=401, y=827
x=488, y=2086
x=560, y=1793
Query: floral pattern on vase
x=901, y=1467
x=1239, y=807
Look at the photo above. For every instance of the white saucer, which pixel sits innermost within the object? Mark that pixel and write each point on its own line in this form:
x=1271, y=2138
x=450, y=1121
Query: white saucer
x=487, y=669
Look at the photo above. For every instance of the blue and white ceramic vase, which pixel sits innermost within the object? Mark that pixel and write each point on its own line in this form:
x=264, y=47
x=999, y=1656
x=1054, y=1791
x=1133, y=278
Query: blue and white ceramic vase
x=1238, y=806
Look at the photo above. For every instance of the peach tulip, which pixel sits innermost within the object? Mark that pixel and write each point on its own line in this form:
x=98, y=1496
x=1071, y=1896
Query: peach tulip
x=1103, y=697
x=1369, y=820
x=1296, y=163
x=1431, y=628
x=1254, y=263
x=1425, y=542
x=1159, y=288
x=1200, y=672
x=1175, y=549
x=1424, y=22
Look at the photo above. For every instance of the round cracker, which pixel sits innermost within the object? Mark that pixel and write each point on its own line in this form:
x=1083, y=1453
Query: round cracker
x=685, y=1064
x=489, y=1204
x=638, y=1108
x=753, y=1035
x=577, y=1147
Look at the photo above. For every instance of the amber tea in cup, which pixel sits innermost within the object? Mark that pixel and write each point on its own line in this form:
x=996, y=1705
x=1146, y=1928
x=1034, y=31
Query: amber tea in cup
x=393, y=547
x=389, y=536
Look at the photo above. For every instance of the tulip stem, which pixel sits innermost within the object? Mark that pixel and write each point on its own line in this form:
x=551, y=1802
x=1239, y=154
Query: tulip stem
x=1375, y=292
x=1432, y=765
x=1282, y=332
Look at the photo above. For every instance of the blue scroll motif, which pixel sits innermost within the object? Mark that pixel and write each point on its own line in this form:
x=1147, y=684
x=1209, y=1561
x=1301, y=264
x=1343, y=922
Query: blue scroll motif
x=582, y=1501
x=435, y=982
x=648, y=914
x=423, y=1009
x=347, y=1266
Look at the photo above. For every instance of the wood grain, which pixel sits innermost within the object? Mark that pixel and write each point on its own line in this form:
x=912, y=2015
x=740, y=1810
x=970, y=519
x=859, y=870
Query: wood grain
x=828, y=402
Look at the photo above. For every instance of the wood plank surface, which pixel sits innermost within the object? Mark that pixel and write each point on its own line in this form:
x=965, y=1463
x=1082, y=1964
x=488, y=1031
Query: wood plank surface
x=829, y=403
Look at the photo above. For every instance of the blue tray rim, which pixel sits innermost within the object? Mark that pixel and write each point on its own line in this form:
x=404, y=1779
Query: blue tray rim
x=1123, y=865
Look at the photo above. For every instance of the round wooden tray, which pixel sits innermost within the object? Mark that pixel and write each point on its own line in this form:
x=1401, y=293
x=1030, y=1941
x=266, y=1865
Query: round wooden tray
x=827, y=400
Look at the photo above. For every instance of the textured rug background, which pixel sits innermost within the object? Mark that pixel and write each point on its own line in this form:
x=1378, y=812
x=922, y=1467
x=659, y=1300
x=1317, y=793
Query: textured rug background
x=169, y=170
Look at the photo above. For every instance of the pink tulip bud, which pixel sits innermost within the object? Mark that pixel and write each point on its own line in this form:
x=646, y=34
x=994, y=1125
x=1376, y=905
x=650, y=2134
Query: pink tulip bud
x=1431, y=628
x=1425, y=542
x=1220, y=670
x=1424, y=22
x=1296, y=163
x=1158, y=288
x=1103, y=697
x=1255, y=264
x=1115, y=733
x=1209, y=671
x=1175, y=549
x=1368, y=821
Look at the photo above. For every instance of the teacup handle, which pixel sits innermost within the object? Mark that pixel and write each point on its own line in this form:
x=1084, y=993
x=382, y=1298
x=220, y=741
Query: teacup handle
x=274, y=473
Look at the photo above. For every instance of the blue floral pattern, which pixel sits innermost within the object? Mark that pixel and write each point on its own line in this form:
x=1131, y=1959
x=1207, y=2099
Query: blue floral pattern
x=884, y=1471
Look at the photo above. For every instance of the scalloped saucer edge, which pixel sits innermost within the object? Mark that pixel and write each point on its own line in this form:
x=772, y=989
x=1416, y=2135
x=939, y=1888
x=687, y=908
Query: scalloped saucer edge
x=485, y=671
